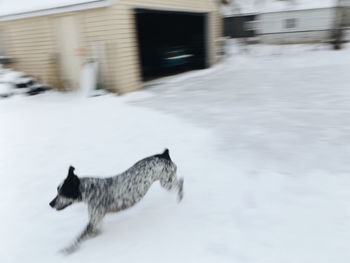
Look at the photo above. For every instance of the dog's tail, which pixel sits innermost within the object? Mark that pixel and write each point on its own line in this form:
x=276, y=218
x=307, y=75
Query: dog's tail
x=165, y=155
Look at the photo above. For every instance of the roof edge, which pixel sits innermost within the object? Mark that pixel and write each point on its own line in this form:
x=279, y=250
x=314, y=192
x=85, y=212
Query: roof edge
x=56, y=10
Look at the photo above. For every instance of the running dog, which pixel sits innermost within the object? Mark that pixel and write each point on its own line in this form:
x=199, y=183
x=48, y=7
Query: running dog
x=113, y=194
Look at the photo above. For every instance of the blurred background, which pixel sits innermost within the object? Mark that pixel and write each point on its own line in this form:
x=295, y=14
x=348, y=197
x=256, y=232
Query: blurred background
x=287, y=21
x=129, y=42
x=250, y=96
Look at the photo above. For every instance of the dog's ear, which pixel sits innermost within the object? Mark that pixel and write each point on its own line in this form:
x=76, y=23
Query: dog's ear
x=72, y=177
x=71, y=171
x=70, y=187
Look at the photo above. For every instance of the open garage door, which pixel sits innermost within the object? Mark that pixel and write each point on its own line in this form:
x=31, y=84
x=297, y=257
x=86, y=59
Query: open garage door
x=170, y=42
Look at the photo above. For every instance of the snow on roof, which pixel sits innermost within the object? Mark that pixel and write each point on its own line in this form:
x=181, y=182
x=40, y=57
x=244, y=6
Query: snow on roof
x=264, y=6
x=11, y=7
x=298, y=5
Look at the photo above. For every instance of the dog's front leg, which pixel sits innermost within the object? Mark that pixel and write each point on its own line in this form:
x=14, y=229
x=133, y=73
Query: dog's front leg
x=173, y=183
x=90, y=230
x=87, y=232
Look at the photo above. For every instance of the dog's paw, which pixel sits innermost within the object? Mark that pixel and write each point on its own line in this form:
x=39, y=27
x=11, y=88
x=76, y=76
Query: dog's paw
x=95, y=233
x=69, y=250
x=180, y=194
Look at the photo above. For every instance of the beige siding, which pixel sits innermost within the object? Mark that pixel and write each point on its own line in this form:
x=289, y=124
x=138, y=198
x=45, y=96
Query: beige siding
x=98, y=29
x=128, y=75
x=217, y=35
x=199, y=5
x=127, y=62
x=32, y=41
x=114, y=29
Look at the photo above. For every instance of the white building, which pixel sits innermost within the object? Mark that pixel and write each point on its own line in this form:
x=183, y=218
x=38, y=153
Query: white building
x=296, y=26
x=293, y=21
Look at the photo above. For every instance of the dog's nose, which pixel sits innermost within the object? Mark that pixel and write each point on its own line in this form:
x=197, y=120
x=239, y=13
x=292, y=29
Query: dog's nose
x=52, y=203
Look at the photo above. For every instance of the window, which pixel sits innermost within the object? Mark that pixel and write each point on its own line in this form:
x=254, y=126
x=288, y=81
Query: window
x=290, y=23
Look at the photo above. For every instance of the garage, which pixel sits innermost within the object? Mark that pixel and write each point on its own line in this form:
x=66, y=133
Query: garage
x=170, y=42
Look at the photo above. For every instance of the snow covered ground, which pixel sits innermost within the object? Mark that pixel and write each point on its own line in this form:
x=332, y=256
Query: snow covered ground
x=262, y=141
x=268, y=104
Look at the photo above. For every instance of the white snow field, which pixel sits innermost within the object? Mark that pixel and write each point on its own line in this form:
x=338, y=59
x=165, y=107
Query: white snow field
x=262, y=140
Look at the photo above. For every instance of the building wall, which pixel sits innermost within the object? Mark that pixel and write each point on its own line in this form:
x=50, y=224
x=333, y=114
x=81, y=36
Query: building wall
x=310, y=26
x=3, y=44
x=33, y=41
x=128, y=76
x=345, y=19
x=99, y=30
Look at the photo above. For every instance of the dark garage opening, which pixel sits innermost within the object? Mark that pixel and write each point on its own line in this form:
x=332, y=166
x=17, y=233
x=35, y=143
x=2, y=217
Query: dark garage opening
x=170, y=42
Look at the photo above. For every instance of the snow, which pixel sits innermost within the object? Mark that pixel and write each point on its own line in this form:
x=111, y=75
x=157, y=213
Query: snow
x=5, y=90
x=268, y=89
x=262, y=141
x=9, y=7
x=10, y=80
x=7, y=75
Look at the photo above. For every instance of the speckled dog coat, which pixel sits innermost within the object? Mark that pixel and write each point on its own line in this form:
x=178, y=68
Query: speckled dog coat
x=113, y=194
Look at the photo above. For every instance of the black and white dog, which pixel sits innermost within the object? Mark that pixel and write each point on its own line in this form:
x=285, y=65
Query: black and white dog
x=113, y=194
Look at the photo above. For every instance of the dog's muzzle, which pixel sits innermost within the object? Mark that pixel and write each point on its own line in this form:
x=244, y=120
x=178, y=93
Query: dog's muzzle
x=57, y=204
x=53, y=202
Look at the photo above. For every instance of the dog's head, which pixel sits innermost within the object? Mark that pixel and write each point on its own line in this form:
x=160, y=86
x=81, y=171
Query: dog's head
x=68, y=191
